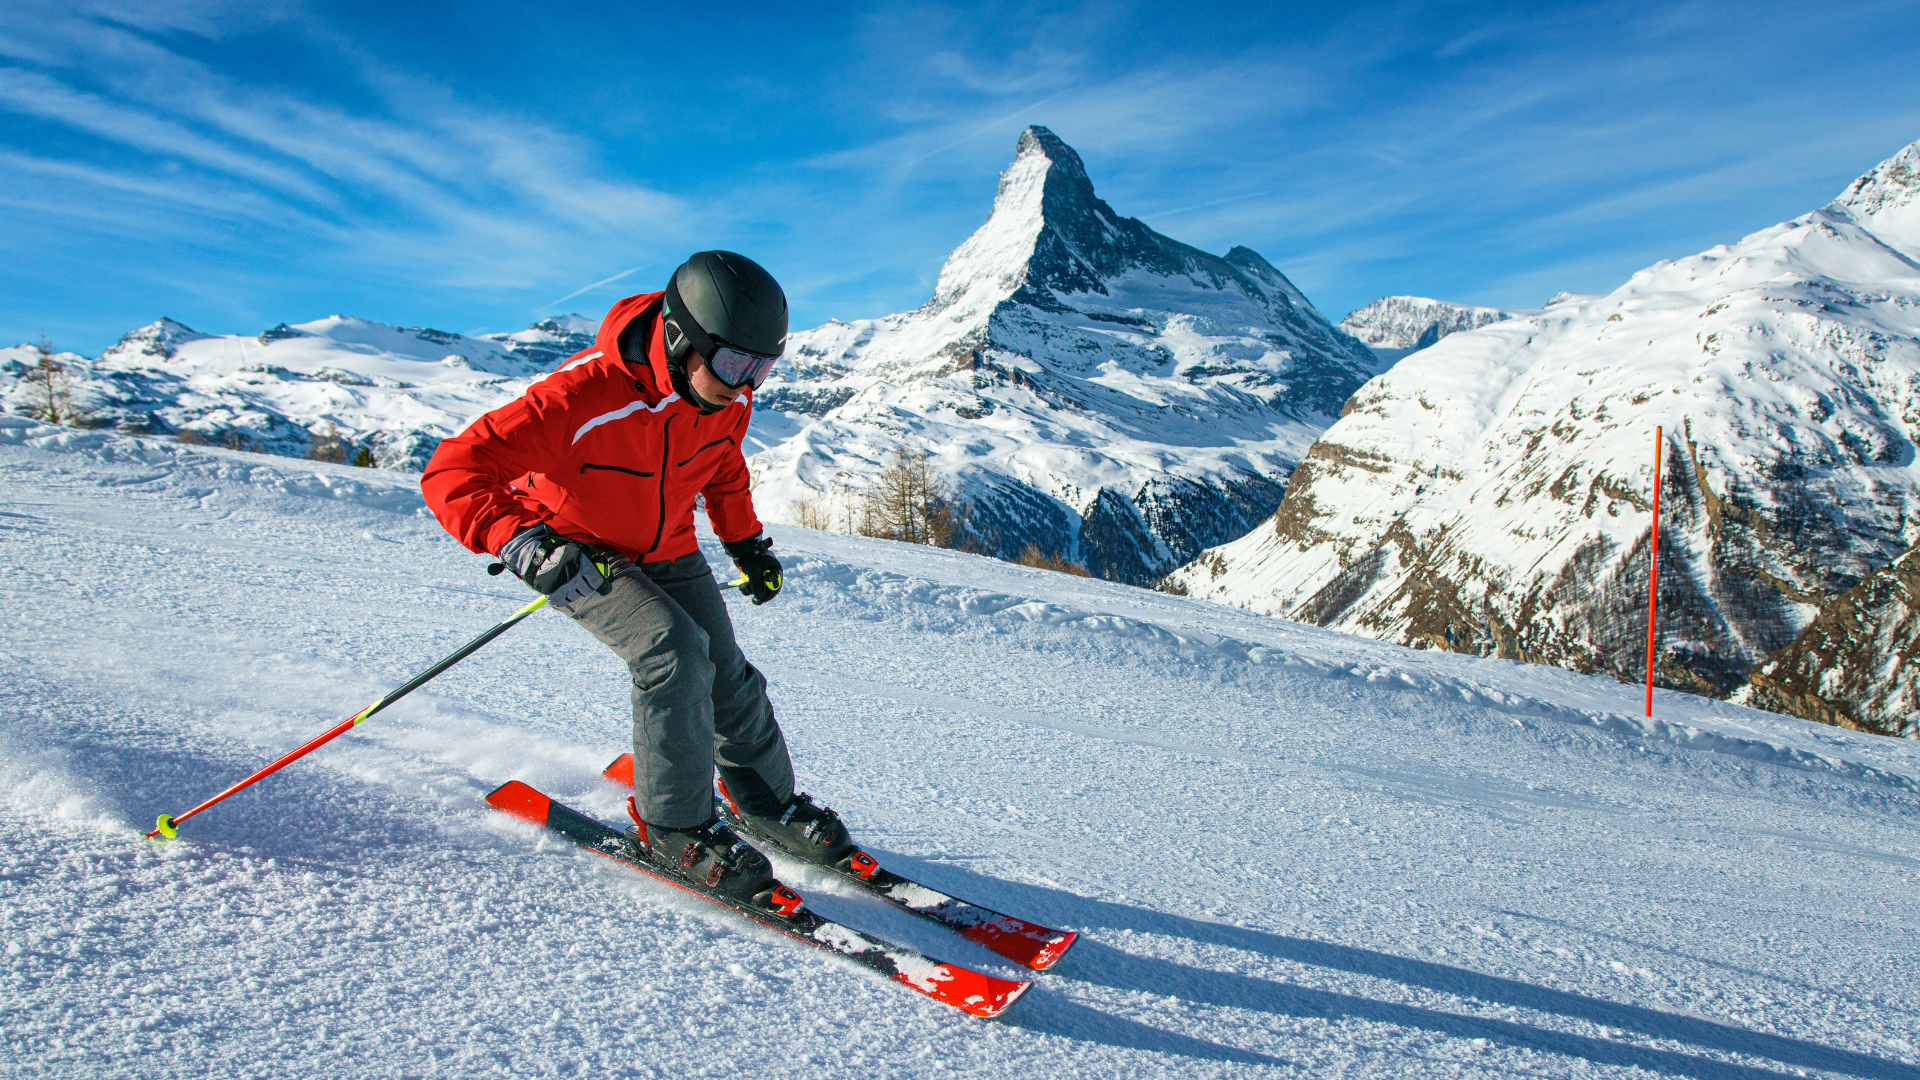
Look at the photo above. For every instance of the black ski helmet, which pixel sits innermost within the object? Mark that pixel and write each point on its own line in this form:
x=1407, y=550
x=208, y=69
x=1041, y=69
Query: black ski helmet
x=720, y=298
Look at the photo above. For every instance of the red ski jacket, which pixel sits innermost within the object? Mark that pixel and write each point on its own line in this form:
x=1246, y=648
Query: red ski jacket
x=601, y=452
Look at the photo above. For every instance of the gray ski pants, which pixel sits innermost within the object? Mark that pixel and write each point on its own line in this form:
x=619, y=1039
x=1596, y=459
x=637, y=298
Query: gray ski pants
x=696, y=700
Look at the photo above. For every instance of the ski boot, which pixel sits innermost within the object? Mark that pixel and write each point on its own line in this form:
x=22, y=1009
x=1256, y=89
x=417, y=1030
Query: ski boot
x=798, y=828
x=710, y=857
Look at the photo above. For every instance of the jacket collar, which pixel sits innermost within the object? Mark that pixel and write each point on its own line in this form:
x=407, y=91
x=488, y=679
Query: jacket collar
x=645, y=306
x=631, y=310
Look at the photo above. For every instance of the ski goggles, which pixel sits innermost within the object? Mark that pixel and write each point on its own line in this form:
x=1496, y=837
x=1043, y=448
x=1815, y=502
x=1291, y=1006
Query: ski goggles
x=737, y=368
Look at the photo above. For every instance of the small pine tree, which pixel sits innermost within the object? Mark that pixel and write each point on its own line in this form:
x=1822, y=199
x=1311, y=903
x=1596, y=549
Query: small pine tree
x=328, y=446
x=51, y=385
x=363, y=457
x=910, y=502
x=815, y=512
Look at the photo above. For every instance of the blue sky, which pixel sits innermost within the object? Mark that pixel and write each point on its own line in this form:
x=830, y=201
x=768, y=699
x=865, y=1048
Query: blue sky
x=475, y=167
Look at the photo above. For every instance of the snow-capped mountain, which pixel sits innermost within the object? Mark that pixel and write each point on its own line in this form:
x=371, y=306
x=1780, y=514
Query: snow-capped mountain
x=1403, y=324
x=394, y=390
x=1491, y=493
x=1093, y=388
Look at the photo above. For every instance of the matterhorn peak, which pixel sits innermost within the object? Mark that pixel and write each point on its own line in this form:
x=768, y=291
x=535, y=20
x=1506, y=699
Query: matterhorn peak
x=1039, y=140
x=1095, y=389
x=1050, y=239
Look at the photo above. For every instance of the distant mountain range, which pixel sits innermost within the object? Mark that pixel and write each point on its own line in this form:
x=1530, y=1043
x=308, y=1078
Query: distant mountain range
x=394, y=390
x=1394, y=326
x=1093, y=388
x=1491, y=493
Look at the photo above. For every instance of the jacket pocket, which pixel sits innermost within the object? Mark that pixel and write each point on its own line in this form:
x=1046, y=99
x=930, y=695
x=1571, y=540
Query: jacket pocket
x=614, y=468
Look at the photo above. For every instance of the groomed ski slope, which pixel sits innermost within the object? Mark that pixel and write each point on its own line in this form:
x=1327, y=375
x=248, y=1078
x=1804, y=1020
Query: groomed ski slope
x=1291, y=852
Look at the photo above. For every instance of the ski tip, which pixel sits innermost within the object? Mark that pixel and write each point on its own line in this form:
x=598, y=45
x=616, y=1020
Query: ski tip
x=988, y=997
x=620, y=771
x=1013, y=994
x=972, y=992
x=1027, y=944
x=521, y=801
x=1051, y=953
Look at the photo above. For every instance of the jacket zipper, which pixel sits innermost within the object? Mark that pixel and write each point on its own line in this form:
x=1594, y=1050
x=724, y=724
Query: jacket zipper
x=614, y=468
x=666, y=441
x=703, y=450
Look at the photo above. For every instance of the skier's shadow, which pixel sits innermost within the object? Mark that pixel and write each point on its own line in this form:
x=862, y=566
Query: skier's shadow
x=1092, y=961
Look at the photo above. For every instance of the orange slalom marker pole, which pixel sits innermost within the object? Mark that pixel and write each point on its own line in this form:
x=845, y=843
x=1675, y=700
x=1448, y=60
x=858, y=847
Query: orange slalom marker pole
x=1653, y=573
x=167, y=826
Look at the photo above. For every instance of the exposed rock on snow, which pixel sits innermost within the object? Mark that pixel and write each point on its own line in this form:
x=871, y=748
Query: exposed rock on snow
x=394, y=390
x=1094, y=388
x=1491, y=494
x=1852, y=666
x=1412, y=323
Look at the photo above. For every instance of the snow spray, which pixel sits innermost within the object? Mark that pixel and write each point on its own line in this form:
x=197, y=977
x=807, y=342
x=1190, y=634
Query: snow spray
x=167, y=826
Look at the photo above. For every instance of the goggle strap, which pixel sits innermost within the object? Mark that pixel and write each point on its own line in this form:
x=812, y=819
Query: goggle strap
x=677, y=311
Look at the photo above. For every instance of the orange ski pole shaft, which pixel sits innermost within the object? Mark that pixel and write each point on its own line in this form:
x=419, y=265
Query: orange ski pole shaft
x=1653, y=571
x=167, y=825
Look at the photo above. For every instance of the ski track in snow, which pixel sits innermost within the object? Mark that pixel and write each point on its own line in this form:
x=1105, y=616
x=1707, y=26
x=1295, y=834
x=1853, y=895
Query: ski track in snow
x=1290, y=851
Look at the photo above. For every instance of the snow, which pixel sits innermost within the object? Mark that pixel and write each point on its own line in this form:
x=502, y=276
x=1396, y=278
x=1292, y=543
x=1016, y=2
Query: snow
x=1289, y=851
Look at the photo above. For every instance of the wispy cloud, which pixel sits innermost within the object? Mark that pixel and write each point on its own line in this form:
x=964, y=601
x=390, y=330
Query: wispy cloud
x=584, y=289
x=253, y=155
x=420, y=187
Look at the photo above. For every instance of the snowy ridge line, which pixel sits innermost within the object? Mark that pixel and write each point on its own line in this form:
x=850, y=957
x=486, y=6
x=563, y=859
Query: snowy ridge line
x=376, y=490
x=963, y=600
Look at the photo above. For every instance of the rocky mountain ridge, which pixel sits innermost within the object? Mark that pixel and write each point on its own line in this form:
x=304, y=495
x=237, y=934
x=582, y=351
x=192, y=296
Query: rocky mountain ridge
x=1092, y=388
x=1411, y=323
x=1491, y=493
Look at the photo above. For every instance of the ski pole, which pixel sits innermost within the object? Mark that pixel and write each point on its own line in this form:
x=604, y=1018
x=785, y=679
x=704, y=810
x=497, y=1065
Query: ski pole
x=167, y=825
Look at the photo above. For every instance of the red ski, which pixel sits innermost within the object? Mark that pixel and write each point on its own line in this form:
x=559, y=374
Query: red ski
x=970, y=991
x=1026, y=943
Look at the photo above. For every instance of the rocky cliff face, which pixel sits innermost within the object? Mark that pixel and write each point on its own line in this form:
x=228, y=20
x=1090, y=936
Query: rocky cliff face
x=1491, y=493
x=1853, y=665
x=1094, y=388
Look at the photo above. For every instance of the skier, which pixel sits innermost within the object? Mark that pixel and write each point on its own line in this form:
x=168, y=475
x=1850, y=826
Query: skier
x=584, y=487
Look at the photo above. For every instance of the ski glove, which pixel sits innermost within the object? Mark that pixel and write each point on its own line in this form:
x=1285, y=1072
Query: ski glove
x=563, y=569
x=759, y=571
